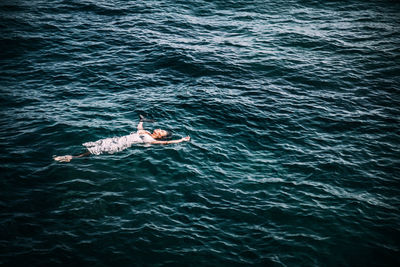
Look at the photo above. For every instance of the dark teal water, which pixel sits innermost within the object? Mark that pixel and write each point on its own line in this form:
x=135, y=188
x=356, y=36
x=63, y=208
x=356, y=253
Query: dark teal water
x=293, y=110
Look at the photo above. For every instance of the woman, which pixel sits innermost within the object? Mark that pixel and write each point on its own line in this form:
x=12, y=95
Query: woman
x=116, y=144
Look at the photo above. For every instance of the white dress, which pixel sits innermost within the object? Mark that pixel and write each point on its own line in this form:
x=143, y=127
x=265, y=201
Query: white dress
x=117, y=144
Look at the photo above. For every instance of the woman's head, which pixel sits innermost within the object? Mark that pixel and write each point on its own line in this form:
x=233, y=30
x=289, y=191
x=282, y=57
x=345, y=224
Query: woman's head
x=159, y=134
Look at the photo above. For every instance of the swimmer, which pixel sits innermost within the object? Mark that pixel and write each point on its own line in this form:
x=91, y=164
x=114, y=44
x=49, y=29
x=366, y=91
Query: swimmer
x=116, y=144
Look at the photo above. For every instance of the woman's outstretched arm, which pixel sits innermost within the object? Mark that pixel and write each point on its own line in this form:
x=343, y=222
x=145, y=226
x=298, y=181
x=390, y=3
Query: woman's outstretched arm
x=143, y=119
x=140, y=126
x=187, y=138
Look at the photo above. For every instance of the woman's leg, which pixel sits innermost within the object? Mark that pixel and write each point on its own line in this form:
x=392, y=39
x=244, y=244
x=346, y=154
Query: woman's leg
x=87, y=153
x=67, y=158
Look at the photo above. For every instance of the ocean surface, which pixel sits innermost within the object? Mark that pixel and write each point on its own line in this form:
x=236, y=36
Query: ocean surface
x=292, y=108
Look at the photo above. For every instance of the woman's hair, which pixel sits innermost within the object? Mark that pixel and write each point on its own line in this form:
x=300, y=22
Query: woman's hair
x=167, y=137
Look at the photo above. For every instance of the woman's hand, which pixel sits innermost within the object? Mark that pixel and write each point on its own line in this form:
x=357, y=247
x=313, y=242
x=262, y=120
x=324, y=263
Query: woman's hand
x=187, y=138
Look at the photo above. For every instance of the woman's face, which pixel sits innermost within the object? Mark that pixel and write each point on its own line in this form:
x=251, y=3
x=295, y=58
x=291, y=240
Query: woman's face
x=158, y=133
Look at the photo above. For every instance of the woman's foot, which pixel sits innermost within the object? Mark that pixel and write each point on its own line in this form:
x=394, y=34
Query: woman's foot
x=66, y=158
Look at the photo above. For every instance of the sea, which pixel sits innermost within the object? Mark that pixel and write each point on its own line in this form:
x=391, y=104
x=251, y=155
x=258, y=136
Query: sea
x=292, y=107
